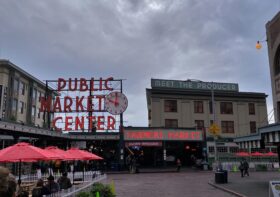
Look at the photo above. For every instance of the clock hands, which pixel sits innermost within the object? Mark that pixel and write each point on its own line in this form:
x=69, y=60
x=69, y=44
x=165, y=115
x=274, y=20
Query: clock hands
x=116, y=103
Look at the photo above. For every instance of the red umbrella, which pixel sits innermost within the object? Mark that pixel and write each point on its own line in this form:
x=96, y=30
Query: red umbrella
x=24, y=152
x=242, y=154
x=83, y=155
x=62, y=154
x=257, y=154
x=271, y=154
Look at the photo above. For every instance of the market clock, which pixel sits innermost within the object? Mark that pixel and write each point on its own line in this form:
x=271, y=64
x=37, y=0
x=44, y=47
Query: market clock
x=116, y=103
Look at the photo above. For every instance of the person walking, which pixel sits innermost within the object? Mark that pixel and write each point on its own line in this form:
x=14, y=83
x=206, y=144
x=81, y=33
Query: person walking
x=246, y=168
x=179, y=164
x=241, y=168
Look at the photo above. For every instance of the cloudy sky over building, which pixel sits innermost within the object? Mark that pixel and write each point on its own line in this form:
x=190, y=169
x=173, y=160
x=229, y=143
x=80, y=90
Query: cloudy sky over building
x=136, y=40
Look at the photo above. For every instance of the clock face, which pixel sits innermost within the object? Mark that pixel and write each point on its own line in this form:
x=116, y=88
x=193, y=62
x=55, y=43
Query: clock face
x=116, y=103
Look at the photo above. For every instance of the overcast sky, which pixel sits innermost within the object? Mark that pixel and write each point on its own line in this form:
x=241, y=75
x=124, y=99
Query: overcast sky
x=136, y=40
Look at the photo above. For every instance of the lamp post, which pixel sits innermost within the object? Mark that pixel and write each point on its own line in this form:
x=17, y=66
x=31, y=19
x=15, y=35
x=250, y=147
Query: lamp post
x=214, y=129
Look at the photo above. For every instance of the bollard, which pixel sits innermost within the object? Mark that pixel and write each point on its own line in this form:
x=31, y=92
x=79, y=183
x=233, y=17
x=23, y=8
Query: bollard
x=113, y=187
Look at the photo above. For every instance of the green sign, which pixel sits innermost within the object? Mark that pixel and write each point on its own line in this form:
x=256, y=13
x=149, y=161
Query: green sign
x=194, y=85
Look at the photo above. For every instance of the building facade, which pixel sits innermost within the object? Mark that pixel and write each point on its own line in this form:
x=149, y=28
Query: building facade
x=236, y=113
x=20, y=95
x=273, y=45
x=197, y=104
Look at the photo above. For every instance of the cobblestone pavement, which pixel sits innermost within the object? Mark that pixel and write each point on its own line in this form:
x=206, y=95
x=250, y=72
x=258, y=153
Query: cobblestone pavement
x=183, y=184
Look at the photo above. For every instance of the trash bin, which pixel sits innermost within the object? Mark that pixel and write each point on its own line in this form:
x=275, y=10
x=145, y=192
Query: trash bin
x=219, y=177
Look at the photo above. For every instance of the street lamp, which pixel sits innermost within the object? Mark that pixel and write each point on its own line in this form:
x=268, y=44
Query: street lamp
x=259, y=45
x=214, y=128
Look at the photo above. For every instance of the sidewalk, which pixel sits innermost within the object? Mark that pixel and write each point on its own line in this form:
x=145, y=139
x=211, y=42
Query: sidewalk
x=256, y=185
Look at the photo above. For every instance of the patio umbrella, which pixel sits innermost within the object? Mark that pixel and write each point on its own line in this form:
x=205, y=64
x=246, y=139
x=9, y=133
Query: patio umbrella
x=84, y=155
x=271, y=154
x=24, y=152
x=242, y=154
x=257, y=154
x=63, y=154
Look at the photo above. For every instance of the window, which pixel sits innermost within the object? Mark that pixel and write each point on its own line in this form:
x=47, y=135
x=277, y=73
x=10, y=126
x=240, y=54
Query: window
x=34, y=95
x=227, y=127
x=226, y=108
x=198, y=107
x=222, y=149
x=38, y=114
x=211, y=149
x=170, y=106
x=21, y=106
x=150, y=114
x=14, y=107
x=253, y=127
x=33, y=111
x=199, y=124
x=251, y=108
x=39, y=95
x=15, y=88
x=210, y=107
x=171, y=123
x=22, y=88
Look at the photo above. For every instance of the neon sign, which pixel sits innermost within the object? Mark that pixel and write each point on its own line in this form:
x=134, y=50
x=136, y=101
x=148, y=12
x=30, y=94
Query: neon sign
x=138, y=135
x=85, y=102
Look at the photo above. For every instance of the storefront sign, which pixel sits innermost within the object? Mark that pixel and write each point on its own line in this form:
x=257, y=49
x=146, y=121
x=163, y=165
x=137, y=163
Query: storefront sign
x=77, y=103
x=162, y=134
x=194, y=85
x=143, y=144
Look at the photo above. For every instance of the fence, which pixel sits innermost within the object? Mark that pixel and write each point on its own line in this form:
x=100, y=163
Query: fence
x=82, y=180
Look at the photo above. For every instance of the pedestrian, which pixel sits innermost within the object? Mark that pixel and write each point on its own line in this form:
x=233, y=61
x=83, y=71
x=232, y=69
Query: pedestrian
x=178, y=163
x=241, y=168
x=52, y=186
x=7, y=183
x=64, y=182
x=246, y=167
x=40, y=190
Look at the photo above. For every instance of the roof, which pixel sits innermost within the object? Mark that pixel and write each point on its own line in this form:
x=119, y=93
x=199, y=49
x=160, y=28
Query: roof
x=8, y=64
x=256, y=95
x=273, y=20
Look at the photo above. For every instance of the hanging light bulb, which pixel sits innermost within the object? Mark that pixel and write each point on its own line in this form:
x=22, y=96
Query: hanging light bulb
x=258, y=45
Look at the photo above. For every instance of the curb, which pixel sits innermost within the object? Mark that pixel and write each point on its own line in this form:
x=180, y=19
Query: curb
x=226, y=190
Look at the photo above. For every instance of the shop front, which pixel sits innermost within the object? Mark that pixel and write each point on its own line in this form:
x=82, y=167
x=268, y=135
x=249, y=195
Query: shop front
x=158, y=147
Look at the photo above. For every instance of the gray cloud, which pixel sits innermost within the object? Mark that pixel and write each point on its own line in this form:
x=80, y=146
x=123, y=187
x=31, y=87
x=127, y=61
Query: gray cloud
x=210, y=40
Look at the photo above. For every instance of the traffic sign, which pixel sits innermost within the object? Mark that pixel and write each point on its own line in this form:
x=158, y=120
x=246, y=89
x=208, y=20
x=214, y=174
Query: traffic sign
x=214, y=129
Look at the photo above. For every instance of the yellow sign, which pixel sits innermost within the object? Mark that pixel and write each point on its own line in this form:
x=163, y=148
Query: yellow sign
x=214, y=129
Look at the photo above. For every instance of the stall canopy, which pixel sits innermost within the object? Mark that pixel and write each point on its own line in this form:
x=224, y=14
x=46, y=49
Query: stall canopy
x=242, y=154
x=257, y=154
